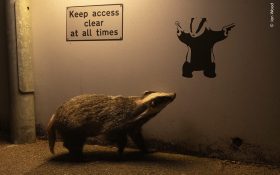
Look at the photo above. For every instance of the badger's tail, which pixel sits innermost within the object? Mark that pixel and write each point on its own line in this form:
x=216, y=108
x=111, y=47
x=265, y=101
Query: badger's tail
x=51, y=133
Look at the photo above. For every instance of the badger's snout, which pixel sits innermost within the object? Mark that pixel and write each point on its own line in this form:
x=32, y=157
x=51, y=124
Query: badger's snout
x=173, y=96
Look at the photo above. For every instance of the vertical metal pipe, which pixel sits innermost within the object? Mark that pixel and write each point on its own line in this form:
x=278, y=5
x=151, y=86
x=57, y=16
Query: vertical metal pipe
x=21, y=71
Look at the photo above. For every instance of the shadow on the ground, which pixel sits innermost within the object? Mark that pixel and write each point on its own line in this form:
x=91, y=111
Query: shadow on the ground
x=110, y=156
x=4, y=139
x=109, y=162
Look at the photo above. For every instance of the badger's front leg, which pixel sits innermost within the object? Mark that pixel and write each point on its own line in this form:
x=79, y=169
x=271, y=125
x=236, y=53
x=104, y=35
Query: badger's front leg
x=121, y=143
x=120, y=138
x=137, y=138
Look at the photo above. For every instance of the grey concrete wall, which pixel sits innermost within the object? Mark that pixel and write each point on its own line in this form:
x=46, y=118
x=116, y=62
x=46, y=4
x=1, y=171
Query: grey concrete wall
x=209, y=115
x=4, y=85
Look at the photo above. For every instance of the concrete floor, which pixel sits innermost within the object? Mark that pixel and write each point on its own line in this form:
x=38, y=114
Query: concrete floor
x=36, y=159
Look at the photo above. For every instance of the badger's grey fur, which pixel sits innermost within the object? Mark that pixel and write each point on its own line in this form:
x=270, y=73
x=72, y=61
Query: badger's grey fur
x=114, y=116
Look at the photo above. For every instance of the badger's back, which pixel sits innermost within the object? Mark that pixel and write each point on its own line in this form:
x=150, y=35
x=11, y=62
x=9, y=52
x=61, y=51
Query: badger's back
x=93, y=114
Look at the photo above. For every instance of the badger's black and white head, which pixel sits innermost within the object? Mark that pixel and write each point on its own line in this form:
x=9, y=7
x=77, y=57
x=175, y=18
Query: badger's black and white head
x=156, y=101
x=150, y=104
x=198, y=26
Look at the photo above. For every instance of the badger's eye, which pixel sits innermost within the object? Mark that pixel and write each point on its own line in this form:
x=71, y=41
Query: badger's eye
x=156, y=102
x=153, y=104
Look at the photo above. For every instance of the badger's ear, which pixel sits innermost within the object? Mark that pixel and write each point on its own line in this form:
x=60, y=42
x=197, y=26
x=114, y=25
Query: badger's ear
x=147, y=93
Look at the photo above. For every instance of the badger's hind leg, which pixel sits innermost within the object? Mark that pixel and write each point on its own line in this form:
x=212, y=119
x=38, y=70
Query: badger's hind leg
x=74, y=144
x=118, y=137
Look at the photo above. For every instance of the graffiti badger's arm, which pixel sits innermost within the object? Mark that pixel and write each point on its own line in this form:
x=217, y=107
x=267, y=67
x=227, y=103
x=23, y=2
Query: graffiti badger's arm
x=179, y=28
x=183, y=37
x=227, y=28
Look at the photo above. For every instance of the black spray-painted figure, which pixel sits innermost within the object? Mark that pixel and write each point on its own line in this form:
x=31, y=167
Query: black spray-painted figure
x=200, y=41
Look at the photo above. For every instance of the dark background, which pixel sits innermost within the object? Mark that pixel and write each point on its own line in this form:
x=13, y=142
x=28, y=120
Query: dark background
x=4, y=78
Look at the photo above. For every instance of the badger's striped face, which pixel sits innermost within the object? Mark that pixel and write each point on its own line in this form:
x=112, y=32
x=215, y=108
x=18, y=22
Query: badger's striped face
x=198, y=26
x=156, y=101
x=149, y=105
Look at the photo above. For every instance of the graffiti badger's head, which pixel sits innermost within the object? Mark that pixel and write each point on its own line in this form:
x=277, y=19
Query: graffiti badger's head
x=198, y=26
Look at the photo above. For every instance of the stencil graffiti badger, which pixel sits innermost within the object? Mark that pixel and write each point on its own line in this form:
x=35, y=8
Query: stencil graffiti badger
x=114, y=116
x=200, y=41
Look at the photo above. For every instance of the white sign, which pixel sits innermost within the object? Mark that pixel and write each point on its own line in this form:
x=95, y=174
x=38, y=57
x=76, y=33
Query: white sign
x=95, y=22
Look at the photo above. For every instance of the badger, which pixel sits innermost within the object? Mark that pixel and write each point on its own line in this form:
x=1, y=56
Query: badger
x=115, y=117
